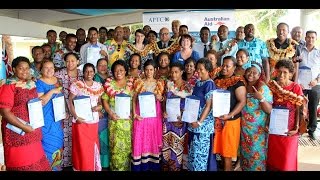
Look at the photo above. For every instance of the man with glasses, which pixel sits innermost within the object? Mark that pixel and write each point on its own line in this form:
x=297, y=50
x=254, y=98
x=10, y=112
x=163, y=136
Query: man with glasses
x=164, y=38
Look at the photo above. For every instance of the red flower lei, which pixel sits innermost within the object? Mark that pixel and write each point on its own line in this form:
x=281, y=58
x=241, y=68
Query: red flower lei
x=110, y=89
x=227, y=82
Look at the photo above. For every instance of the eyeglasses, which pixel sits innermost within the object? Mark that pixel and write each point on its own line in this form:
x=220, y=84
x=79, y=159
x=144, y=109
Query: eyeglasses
x=119, y=47
x=161, y=34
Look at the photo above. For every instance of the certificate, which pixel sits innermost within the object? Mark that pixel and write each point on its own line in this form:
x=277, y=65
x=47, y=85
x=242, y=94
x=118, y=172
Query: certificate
x=305, y=77
x=122, y=106
x=83, y=108
x=35, y=113
x=147, y=104
x=59, y=107
x=220, y=102
x=279, y=121
x=173, y=109
x=191, y=109
x=93, y=54
x=15, y=128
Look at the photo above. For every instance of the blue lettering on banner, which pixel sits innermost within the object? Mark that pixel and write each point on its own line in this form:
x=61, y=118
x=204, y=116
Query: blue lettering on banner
x=218, y=21
x=159, y=19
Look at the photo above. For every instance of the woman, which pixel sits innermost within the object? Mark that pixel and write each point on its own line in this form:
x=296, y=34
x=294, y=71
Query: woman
x=283, y=150
x=48, y=87
x=120, y=129
x=152, y=37
x=253, y=137
x=243, y=63
x=101, y=76
x=190, y=75
x=21, y=152
x=175, y=150
x=85, y=146
x=163, y=71
x=135, y=65
x=67, y=76
x=201, y=132
x=147, y=132
x=186, y=50
x=144, y=50
x=227, y=126
x=212, y=55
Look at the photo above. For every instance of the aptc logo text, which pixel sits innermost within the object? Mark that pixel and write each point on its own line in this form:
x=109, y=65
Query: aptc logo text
x=159, y=19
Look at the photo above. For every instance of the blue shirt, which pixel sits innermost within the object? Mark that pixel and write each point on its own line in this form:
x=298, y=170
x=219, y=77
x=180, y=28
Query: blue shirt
x=257, y=49
x=178, y=58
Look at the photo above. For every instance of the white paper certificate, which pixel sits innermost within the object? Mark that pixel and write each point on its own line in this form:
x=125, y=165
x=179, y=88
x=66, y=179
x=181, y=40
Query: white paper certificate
x=82, y=105
x=279, y=121
x=305, y=77
x=191, y=109
x=93, y=54
x=147, y=104
x=15, y=128
x=35, y=113
x=59, y=107
x=122, y=106
x=173, y=109
x=220, y=102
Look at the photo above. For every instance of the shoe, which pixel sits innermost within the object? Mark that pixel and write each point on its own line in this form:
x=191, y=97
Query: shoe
x=312, y=136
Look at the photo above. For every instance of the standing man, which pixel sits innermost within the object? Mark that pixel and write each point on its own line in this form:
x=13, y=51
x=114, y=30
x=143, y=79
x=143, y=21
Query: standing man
x=310, y=56
x=81, y=39
x=203, y=46
x=257, y=49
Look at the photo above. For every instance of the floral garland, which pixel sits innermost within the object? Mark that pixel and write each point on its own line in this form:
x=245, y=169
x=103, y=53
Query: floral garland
x=285, y=95
x=277, y=54
x=173, y=48
x=228, y=82
x=29, y=84
x=87, y=90
x=231, y=43
x=139, y=87
x=110, y=89
x=147, y=49
x=213, y=74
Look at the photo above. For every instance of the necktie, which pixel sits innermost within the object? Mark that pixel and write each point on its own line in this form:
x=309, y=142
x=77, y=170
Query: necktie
x=221, y=46
x=205, y=50
x=164, y=45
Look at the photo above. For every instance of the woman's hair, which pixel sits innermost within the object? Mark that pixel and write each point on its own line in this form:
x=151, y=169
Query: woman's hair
x=185, y=36
x=214, y=52
x=206, y=63
x=286, y=64
x=152, y=32
x=121, y=63
x=17, y=60
x=149, y=62
x=261, y=79
x=69, y=54
x=87, y=65
x=45, y=61
x=188, y=61
x=101, y=59
x=130, y=59
x=178, y=65
x=232, y=59
x=243, y=50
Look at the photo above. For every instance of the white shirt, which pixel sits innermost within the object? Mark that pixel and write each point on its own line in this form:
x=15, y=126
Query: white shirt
x=312, y=60
x=199, y=47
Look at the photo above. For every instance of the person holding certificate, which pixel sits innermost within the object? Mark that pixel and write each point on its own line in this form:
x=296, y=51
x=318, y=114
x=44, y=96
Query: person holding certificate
x=120, y=129
x=101, y=76
x=201, y=132
x=253, y=137
x=311, y=59
x=52, y=133
x=147, y=132
x=85, y=141
x=227, y=126
x=283, y=150
x=21, y=152
x=174, y=149
x=67, y=76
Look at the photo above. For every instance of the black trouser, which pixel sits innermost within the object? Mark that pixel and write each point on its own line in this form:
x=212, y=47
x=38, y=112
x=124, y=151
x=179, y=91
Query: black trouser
x=313, y=96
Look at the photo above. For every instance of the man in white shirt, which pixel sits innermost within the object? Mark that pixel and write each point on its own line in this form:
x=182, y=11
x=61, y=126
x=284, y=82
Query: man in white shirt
x=203, y=46
x=310, y=56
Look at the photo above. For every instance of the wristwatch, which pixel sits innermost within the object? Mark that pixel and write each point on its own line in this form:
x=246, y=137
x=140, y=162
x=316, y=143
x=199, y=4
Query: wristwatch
x=262, y=100
x=199, y=123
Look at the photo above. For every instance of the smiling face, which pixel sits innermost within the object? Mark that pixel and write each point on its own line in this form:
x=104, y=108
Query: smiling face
x=119, y=72
x=202, y=71
x=252, y=74
x=284, y=75
x=242, y=58
x=149, y=71
x=88, y=73
x=228, y=67
x=102, y=67
x=190, y=68
x=22, y=71
x=47, y=69
x=135, y=62
x=176, y=74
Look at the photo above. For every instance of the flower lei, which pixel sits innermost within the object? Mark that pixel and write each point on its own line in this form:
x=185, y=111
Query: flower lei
x=227, y=82
x=173, y=48
x=213, y=74
x=139, y=87
x=285, y=95
x=147, y=49
x=87, y=90
x=231, y=43
x=277, y=54
x=110, y=89
x=29, y=84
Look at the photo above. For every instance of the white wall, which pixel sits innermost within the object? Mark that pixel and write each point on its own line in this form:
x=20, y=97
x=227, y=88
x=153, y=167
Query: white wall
x=19, y=27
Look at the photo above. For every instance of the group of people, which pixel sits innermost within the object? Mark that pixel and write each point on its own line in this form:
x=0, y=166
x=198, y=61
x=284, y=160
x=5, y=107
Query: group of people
x=260, y=76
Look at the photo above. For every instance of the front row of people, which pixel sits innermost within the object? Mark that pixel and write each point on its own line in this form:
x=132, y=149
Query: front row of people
x=141, y=143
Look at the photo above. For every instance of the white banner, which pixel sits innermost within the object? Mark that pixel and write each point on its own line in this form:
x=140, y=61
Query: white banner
x=195, y=20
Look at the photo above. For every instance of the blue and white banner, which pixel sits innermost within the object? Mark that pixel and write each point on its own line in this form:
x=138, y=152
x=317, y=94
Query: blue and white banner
x=195, y=20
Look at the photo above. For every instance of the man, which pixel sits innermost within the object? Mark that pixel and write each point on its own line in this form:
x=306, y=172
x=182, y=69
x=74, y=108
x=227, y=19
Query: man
x=203, y=46
x=257, y=49
x=81, y=39
x=164, y=38
x=239, y=33
x=310, y=56
x=127, y=34
x=52, y=38
x=103, y=34
x=296, y=34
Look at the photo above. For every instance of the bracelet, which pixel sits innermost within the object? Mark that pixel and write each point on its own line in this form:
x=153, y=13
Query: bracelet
x=199, y=123
x=262, y=100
